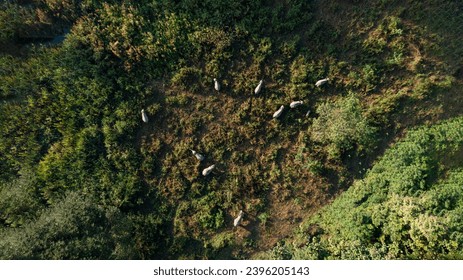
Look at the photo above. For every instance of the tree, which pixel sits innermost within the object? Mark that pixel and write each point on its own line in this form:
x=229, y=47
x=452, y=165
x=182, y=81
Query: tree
x=341, y=126
x=74, y=228
x=13, y=18
x=19, y=202
x=409, y=205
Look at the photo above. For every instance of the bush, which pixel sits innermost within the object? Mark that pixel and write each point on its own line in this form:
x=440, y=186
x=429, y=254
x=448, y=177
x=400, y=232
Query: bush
x=407, y=206
x=75, y=228
x=14, y=18
x=341, y=126
x=188, y=78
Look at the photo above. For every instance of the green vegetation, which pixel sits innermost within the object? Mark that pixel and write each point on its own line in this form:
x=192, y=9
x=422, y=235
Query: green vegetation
x=340, y=125
x=409, y=205
x=82, y=177
x=74, y=228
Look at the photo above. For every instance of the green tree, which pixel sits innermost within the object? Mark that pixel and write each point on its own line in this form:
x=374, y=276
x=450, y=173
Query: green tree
x=74, y=228
x=408, y=205
x=341, y=126
x=13, y=19
x=19, y=202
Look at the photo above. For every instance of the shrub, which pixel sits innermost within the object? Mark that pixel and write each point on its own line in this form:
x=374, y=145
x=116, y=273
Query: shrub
x=407, y=206
x=75, y=228
x=187, y=78
x=341, y=125
x=14, y=18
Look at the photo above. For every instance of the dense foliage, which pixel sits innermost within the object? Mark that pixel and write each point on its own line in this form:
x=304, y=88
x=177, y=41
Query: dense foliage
x=82, y=177
x=74, y=228
x=409, y=204
x=341, y=125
